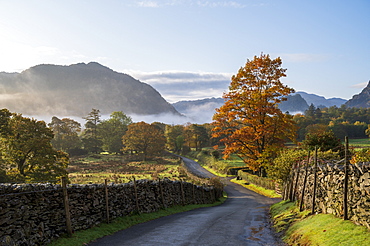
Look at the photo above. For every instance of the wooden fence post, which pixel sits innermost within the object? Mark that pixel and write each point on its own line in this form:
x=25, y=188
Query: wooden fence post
x=193, y=193
x=66, y=207
x=285, y=188
x=296, y=182
x=106, y=199
x=345, y=190
x=203, y=196
x=315, y=183
x=136, y=197
x=290, y=194
x=304, y=182
x=161, y=191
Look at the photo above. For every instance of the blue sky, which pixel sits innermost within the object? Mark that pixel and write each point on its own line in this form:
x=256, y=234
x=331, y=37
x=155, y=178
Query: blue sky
x=189, y=49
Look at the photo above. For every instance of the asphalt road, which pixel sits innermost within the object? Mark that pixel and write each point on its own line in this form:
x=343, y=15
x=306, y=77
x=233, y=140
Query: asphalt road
x=241, y=220
x=196, y=169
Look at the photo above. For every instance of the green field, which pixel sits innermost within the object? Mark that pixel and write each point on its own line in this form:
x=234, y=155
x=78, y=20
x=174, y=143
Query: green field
x=360, y=143
x=120, y=169
x=234, y=161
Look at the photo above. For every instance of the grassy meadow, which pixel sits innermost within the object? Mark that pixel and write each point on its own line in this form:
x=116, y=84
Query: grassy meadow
x=359, y=143
x=96, y=168
x=301, y=228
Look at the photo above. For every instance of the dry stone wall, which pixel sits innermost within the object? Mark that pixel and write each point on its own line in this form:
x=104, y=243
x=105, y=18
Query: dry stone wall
x=34, y=214
x=330, y=187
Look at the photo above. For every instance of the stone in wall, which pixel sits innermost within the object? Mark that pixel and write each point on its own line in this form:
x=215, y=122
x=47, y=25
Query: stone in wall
x=34, y=214
x=330, y=187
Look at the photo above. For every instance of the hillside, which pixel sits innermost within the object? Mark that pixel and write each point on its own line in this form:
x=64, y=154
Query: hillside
x=74, y=90
x=361, y=100
x=320, y=100
x=294, y=103
x=203, y=109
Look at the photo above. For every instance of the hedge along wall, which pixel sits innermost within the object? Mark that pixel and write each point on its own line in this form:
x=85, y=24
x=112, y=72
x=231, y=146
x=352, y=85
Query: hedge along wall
x=329, y=192
x=34, y=214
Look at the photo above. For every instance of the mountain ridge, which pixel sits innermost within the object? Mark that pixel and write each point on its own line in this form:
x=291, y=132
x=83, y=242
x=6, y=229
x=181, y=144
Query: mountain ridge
x=75, y=89
x=361, y=100
x=296, y=102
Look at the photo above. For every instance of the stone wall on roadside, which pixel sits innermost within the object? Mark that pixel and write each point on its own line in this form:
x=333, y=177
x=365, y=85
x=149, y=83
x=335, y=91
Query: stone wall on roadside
x=330, y=187
x=34, y=214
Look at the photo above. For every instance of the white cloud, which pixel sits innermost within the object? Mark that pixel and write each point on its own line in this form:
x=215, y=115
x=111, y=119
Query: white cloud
x=200, y=3
x=184, y=85
x=164, y=118
x=170, y=77
x=214, y=4
x=360, y=85
x=148, y=4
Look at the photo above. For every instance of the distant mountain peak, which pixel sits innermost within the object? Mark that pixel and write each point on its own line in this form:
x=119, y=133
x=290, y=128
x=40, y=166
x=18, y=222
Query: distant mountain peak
x=94, y=65
x=320, y=100
x=361, y=100
x=73, y=90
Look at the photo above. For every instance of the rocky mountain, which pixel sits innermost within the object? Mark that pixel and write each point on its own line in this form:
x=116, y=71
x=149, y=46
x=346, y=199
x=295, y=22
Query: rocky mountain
x=187, y=106
x=74, y=90
x=361, y=100
x=320, y=101
x=294, y=103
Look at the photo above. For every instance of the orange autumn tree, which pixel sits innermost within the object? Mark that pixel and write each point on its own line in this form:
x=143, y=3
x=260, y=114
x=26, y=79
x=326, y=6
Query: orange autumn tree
x=144, y=138
x=250, y=124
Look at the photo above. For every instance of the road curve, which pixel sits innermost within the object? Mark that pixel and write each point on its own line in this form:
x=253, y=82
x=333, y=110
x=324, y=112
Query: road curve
x=196, y=169
x=241, y=220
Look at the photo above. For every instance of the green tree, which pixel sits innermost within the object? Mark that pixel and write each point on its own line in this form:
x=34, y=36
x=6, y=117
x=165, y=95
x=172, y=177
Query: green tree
x=284, y=162
x=4, y=132
x=90, y=138
x=111, y=131
x=4, y=121
x=310, y=112
x=324, y=141
x=174, y=137
x=28, y=150
x=144, y=138
x=250, y=122
x=65, y=133
x=197, y=136
x=367, y=131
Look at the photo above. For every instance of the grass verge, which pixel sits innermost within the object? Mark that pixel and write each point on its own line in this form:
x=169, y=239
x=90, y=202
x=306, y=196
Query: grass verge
x=215, y=172
x=299, y=228
x=257, y=189
x=85, y=236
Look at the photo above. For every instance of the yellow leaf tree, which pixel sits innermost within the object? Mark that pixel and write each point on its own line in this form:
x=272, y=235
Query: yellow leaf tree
x=250, y=123
x=144, y=138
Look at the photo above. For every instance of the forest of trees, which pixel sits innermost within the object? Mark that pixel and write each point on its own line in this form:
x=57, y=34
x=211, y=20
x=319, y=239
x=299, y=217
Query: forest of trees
x=343, y=121
x=249, y=125
x=32, y=150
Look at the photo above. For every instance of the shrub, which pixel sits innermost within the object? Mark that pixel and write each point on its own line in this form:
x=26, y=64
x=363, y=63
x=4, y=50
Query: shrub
x=256, y=180
x=77, y=152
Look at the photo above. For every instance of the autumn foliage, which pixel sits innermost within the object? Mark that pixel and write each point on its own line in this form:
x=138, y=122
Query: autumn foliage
x=250, y=123
x=146, y=139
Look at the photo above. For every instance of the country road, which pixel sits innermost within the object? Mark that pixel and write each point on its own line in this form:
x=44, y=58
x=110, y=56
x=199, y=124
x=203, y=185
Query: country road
x=241, y=220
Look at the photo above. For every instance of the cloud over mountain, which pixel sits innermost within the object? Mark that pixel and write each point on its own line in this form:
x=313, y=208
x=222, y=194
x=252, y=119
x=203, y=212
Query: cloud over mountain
x=180, y=85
